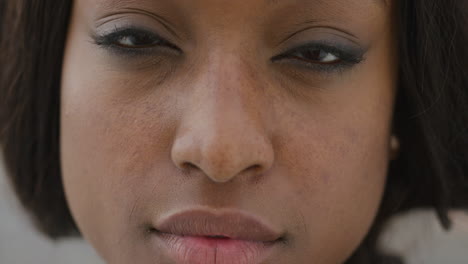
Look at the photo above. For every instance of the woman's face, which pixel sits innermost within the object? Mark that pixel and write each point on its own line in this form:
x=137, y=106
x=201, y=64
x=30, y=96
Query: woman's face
x=265, y=122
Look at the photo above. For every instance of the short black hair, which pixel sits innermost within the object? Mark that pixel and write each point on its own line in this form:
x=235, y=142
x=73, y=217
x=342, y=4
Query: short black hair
x=431, y=112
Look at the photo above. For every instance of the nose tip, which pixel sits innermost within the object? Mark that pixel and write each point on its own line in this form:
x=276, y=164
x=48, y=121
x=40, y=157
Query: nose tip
x=222, y=158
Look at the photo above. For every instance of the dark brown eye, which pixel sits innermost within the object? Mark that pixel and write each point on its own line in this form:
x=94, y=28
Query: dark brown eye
x=139, y=40
x=316, y=56
x=323, y=56
x=133, y=39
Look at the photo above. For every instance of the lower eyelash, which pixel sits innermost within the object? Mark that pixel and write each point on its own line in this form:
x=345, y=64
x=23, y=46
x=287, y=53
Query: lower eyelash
x=331, y=68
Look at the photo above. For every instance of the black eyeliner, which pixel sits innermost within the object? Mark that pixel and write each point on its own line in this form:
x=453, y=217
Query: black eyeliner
x=348, y=55
x=109, y=40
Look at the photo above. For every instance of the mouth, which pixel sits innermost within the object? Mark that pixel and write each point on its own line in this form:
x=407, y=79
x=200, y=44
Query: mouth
x=210, y=237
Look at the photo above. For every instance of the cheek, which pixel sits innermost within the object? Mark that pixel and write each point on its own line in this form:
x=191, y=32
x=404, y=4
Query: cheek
x=337, y=166
x=334, y=189
x=111, y=136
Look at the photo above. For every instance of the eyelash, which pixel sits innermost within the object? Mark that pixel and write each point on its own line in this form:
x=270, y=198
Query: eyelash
x=110, y=42
x=346, y=56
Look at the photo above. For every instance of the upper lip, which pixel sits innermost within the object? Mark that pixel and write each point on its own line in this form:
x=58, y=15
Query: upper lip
x=231, y=224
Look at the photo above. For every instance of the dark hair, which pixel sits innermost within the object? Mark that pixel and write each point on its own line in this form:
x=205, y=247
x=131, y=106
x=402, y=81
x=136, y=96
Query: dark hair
x=431, y=115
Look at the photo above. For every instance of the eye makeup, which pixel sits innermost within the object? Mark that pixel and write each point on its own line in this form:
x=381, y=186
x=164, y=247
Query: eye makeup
x=133, y=41
x=320, y=56
x=325, y=56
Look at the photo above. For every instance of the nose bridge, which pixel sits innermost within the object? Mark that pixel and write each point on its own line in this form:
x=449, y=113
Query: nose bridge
x=230, y=89
x=228, y=97
x=221, y=132
x=223, y=96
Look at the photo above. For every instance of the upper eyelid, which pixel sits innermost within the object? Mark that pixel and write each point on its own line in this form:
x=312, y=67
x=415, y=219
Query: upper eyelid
x=349, y=36
x=129, y=11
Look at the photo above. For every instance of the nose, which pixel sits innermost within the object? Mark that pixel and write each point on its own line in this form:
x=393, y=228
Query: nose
x=221, y=131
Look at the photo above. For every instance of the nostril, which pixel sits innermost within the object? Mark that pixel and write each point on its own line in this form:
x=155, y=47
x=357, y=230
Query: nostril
x=254, y=168
x=188, y=167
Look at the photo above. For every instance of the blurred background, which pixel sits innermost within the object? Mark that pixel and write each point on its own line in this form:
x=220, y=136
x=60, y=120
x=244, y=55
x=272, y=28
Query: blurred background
x=417, y=236
x=20, y=243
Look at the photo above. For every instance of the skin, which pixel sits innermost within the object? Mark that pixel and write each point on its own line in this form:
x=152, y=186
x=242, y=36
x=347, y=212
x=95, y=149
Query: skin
x=221, y=125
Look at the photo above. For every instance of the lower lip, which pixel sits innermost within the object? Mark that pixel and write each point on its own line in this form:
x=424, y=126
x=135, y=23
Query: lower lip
x=206, y=250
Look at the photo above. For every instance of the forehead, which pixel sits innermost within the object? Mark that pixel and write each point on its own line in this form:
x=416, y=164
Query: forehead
x=265, y=2
x=266, y=5
x=244, y=12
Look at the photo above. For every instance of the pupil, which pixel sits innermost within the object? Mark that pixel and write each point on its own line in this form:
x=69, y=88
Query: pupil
x=316, y=55
x=132, y=40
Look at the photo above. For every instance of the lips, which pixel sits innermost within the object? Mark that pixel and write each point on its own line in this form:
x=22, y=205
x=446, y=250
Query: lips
x=234, y=225
x=216, y=237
